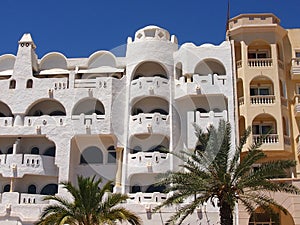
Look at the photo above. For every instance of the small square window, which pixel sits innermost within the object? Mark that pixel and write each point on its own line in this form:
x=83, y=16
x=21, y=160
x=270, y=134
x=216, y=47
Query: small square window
x=298, y=54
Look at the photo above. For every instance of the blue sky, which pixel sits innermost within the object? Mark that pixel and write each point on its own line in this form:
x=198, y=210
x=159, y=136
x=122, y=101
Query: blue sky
x=79, y=28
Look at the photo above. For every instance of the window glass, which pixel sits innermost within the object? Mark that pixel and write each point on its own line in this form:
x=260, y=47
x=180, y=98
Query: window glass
x=298, y=54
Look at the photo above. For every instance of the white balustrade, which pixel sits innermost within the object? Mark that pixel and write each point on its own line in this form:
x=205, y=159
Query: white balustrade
x=6, y=121
x=260, y=62
x=268, y=139
x=32, y=199
x=44, y=120
x=262, y=99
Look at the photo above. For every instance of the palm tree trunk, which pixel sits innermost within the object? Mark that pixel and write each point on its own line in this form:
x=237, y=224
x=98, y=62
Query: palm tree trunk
x=226, y=214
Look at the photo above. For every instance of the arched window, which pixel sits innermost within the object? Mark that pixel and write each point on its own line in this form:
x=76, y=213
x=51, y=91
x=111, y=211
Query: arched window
x=57, y=113
x=6, y=188
x=50, y=152
x=32, y=189
x=12, y=84
x=49, y=189
x=91, y=155
x=29, y=83
x=35, y=151
x=263, y=219
x=136, y=188
x=10, y=150
x=112, y=154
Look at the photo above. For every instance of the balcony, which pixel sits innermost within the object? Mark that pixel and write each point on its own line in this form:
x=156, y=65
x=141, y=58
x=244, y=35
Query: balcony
x=149, y=123
x=22, y=198
x=297, y=105
x=148, y=162
x=22, y=164
x=141, y=197
x=295, y=69
x=145, y=86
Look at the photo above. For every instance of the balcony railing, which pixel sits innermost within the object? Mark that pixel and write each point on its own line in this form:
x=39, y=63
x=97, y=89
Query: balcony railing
x=267, y=62
x=262, y=99
x=295, y=68
x=147, y=197
x=269, y=139
x=241, y=101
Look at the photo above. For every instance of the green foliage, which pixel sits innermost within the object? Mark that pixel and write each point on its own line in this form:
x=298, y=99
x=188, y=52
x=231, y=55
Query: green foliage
x=91, y=205
x=214, y=171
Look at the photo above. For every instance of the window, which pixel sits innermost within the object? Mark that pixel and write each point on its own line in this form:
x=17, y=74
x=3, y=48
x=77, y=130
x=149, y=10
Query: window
x=112, y=155
x=261, y=129
x=297, y=54
x=29, y=83
x=260, y=91
x=12, y=84
x=32, y=189
x=258, y=55
x=91, y=155
x=35, y=151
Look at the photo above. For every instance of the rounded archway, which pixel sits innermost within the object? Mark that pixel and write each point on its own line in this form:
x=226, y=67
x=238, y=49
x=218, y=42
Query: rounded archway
x=89, y=106
x=5, y=110
x=261, y=217
x=259, y=49
x=49, y=107
x=91, y=155
x=151, y=105
x=210, y=66
x=150, y=69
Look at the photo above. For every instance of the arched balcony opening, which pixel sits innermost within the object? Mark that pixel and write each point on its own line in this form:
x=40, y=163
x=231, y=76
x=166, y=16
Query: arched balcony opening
x=91, y=155
x=286, y=130
x=31, y=189
x=149, y=143
x=53, y=65
x=259, y=54
x=5, y=110
x=210, y=66
x=88, y=107
x=261, y=217
x=12, y=84
x=178, y=70
x=46, y=107
x=50, y=189
x=262, y=91
x=264, y=128
x=151, y=105
x=150, y=69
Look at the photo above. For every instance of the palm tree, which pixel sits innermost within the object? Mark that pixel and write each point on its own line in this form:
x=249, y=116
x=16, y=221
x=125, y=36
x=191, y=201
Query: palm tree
x=90, y=206
x=213, y=172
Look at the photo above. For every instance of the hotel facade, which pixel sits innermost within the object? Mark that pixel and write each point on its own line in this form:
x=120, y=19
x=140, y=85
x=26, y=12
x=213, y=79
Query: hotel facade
x=113, y=116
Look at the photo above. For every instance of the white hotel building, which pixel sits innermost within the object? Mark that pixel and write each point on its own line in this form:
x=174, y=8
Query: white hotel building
x=106, y=115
